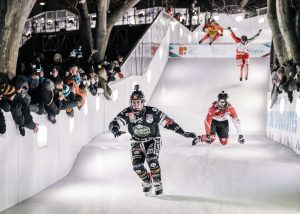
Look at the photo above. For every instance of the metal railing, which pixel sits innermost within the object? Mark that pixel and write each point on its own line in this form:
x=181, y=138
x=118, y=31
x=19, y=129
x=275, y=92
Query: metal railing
x=141, y=55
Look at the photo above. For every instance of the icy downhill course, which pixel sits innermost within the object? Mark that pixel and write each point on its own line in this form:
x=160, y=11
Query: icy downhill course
x=257, y=177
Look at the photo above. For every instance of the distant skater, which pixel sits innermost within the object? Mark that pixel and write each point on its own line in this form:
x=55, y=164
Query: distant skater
x=242, y=55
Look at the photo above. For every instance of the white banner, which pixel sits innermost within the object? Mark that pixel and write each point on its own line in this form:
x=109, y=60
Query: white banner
x=283, y=121
x=256, y=50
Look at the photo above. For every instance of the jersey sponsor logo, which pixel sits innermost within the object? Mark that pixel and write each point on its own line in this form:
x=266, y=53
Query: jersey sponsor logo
x=136, y=152
x=131, y=117
x=141, y=131
x=169, y=121
x=149, y=118
x=153, y=165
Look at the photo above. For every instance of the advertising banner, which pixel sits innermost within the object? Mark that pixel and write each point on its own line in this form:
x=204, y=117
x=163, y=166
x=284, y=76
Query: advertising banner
x=256, y=50
x=283, y=121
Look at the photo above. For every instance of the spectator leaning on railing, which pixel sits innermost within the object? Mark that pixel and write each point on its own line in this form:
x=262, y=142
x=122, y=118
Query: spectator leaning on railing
x=59, y=89
x=20, y=107
x=7, y=93
x=295, y=82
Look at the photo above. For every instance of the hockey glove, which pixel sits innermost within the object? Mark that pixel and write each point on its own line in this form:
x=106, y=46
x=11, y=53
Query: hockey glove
x=241, y=139
x=118, y=133
x=196, y=140
x=189, y=135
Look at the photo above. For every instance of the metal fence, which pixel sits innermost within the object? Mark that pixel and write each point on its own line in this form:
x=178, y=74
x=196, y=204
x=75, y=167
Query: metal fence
x=140, y=57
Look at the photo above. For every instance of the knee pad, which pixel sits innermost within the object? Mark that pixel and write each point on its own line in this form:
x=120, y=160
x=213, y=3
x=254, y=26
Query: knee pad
x=154, y=168
x=224, y=141
x=139, y=169
x=153, y=162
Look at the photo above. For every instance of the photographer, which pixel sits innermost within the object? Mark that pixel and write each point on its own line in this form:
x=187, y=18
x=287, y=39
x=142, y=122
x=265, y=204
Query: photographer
x=295, y=83
x=290, y=72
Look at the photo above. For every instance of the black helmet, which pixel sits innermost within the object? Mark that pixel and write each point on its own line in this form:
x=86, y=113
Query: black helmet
x=244, y=39
x=222, y=99
x=137, y=94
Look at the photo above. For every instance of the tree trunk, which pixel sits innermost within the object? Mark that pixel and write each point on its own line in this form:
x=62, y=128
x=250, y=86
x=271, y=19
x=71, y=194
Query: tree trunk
x=242, y=4
x=278, y=41
x=13, y=14
x=106, y=22
x=298, y=26
x=287, y=27
x=101, y=29
x=86, y=37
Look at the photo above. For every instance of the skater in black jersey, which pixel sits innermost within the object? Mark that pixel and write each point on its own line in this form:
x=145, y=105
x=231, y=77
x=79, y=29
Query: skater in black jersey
x=143, y=125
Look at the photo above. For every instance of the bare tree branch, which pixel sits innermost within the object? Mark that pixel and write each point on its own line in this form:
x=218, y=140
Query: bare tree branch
x=119, y=11
x=287, y=27
x=242, y=4
x=278, y=41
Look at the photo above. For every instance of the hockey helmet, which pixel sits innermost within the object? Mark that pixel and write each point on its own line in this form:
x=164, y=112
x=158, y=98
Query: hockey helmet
x=244, y=39
x=222, y=99
x=136, y=95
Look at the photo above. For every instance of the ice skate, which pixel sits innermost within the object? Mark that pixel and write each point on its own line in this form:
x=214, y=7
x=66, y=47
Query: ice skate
x=158, y=188
x=147, y=187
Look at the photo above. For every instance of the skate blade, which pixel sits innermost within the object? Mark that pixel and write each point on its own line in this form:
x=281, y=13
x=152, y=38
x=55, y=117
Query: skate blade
x=148, y=193
x=159, y=196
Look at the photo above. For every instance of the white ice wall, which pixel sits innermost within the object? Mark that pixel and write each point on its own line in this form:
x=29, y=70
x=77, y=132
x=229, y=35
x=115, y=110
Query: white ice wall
x=26, y=168
x=283, y=121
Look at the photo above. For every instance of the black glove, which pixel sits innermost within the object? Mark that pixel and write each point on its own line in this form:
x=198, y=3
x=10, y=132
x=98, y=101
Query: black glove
x=208, y=139
x=196, y=140
x=118, y=133
x=189, y=135
x=241, y=139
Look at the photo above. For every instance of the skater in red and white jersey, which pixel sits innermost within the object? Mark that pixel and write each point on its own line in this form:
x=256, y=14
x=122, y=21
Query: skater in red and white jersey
x=216, y=122
x=242, y=55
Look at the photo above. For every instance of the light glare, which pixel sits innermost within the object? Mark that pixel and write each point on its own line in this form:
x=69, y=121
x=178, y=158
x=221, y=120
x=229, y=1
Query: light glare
x=261, y=20
x=149, y=76
x=281, y=106
x=42, y=136
x=239, y=18
x=115, y=95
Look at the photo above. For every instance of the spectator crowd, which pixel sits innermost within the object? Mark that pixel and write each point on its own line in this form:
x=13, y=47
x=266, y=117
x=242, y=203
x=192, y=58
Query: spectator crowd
x=285, y=79
x=49, y=89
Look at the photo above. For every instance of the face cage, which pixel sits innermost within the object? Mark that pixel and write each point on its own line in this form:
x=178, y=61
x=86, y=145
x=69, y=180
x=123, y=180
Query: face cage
x=222, y=103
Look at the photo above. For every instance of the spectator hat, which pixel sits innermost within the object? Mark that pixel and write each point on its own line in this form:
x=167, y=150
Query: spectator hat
x=48, y=84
